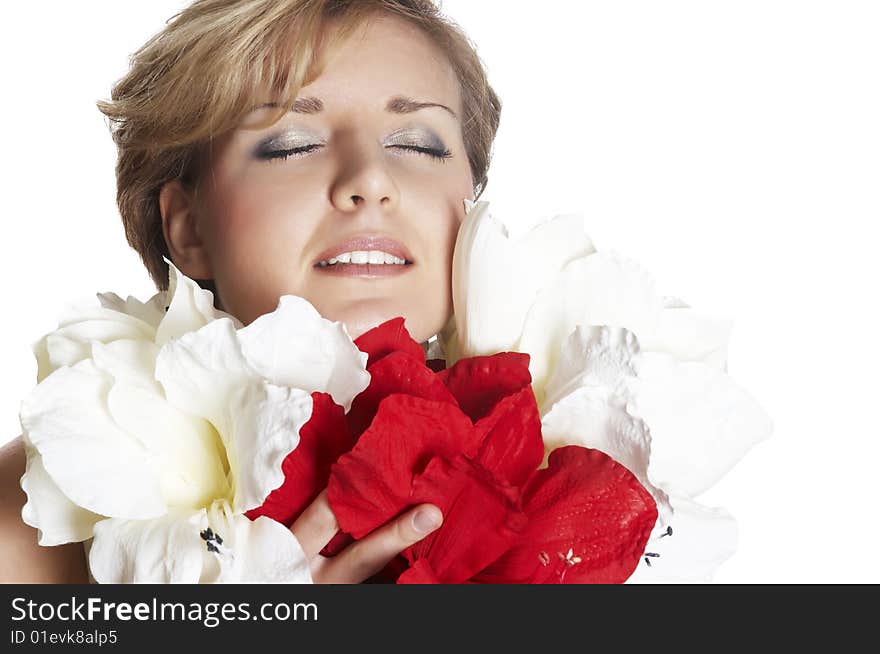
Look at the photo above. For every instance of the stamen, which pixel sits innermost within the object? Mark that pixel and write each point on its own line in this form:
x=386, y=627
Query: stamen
x=214, y=542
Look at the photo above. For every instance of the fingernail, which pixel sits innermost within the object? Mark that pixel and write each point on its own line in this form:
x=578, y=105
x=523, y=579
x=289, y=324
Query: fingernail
x=427, y=519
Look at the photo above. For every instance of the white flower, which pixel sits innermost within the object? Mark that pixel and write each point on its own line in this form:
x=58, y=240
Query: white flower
x=615, y=367
x=151, y=430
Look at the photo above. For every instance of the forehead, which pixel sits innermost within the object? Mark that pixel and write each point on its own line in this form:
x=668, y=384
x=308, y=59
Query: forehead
x=386, y=56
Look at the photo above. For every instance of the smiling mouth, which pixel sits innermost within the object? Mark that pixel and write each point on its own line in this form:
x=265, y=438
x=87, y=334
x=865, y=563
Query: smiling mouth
x=364, y=263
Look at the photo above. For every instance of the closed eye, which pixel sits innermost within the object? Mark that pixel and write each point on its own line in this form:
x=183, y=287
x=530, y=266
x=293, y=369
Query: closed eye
x=440, y=155
x=282, y=155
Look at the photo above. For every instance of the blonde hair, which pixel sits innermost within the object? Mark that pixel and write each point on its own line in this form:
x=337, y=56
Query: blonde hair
x=199, y=77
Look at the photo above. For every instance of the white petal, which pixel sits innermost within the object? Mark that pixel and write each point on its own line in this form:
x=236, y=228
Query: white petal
x=495, y=278
x=184, y=451
x=702, y=423
x=200, y=370
x=481, y=286
x=71, y=343
x=702, y=539
x=186, y=454
x=258, y=551
x=591, y=356
x=171, y=549
x=190, y=308
x=265, y=429
x=128, y=361
x=689, y=336
x=56, y=518
x=295, y=346
x=601, y=289
x=78, y=314
x=152, y=312
x=95, y=463
x=594, y=417
x=167, y=549
x=55, y=350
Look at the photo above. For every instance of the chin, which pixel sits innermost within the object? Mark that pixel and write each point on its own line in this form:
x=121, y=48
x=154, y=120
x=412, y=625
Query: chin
x=362, y=317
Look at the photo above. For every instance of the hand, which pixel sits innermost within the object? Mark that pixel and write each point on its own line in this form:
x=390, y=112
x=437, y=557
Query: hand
x=317, y=525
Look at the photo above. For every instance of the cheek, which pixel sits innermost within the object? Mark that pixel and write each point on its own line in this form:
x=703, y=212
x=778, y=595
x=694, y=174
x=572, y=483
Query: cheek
x=441, y=234
x=259, y=235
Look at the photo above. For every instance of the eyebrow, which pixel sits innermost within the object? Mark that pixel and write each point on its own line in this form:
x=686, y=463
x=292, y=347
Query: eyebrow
x=399, y=104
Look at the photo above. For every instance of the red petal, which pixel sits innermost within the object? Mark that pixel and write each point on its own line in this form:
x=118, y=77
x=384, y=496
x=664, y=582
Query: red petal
x=338, y=543
x=389, y=337
x=478, y=383
x=322, y=440
x=419, y=573
x=371, y=484
x=512, y=446
x=481, y=518
x=397, y=372
x=584, y=502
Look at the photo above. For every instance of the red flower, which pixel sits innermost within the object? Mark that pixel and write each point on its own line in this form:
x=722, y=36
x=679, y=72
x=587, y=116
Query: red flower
x=467, y=439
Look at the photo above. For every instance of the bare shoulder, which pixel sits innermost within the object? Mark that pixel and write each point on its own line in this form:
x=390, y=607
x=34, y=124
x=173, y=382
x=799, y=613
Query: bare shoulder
x=22, y=559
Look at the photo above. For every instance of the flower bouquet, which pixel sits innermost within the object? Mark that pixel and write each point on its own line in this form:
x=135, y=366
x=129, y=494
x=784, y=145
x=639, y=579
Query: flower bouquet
x=564, y=422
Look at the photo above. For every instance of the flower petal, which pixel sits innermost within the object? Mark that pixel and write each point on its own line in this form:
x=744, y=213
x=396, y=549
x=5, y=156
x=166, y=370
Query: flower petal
x=488, y=308
x=151, y=312
x=92, y=460
x=702, y=423
x=594, y=356
x=702, y=539
x=689, y=336
x=512, y=446
x=589, y=521
x=391, y=336
x=200, y=370
x=56, y=518
x=266, y=421
x=258, y=551
x=479, y=383
x=184, y=451
x=71, y=343
x=166, y=549
x=371, y=484
x=481, y=518
x=397, y=372
x=420, y=573
x=596, y=418
x=295, y=346
x=190, y=308
x=492, y=290
x=601, y=289
x=179, y=548
x=322, y=440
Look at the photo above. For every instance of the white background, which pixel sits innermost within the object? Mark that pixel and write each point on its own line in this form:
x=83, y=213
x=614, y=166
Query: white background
x=732, y=148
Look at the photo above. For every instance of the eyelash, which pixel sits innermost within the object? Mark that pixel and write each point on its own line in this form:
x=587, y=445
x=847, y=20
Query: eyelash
x=281, y=155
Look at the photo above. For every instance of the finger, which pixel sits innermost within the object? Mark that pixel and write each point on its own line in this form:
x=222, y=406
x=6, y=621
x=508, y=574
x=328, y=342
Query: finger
x=366, y=557
x=316, y=526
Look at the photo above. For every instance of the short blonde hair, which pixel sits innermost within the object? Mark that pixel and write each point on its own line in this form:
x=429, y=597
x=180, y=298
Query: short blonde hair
x=214, y=61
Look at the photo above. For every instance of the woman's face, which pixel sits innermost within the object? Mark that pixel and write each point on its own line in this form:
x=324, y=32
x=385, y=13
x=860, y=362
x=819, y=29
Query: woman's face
x=354, y=200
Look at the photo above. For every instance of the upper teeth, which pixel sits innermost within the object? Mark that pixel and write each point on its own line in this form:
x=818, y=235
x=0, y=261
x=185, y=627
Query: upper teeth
x=375, y=257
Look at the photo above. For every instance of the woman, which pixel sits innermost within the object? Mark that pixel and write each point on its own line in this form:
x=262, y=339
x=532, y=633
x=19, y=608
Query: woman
x=351, y=197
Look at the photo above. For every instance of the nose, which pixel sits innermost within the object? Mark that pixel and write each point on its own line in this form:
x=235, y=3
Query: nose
x=363, y=178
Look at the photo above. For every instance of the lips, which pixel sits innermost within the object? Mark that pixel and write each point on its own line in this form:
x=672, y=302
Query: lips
x=350, y=258
x=366, y=244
